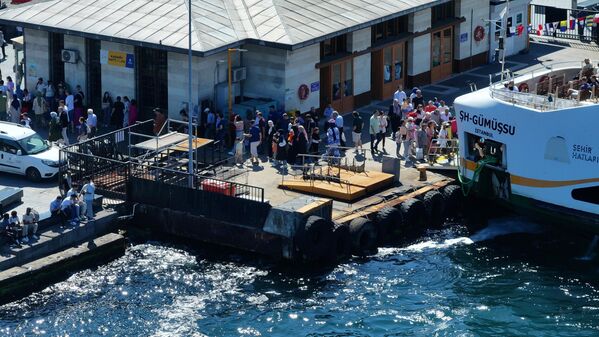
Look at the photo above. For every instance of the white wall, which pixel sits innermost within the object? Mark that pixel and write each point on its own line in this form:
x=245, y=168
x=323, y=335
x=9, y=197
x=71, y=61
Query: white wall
x=37, y=56
x=419, y=48
x=359, y=40
x=265, y=72
x=362, y=67
x=565, y=4
x=513, y=44
x=74, y=73
x=300, y=69
x=118, y=81
x=474, y=11
x=202, y=78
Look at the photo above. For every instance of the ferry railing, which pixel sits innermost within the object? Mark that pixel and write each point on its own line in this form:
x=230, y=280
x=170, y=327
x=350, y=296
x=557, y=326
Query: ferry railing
x=548, y=87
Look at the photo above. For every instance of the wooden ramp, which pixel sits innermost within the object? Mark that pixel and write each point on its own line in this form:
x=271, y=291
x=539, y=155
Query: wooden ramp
x=358, y=185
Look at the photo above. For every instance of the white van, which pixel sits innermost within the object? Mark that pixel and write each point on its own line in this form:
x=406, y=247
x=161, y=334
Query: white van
x=23, y=151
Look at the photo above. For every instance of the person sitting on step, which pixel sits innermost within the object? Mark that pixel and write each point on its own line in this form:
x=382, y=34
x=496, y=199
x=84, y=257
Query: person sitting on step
x=30, y=219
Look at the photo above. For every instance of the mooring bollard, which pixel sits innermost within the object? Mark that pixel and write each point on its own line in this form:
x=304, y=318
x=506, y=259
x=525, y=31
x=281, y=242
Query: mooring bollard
x=422, y=170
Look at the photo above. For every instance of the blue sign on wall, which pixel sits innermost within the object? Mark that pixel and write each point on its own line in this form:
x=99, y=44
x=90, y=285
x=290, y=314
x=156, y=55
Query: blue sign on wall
x=463, y=37
x=130, y=63
x=314, y=86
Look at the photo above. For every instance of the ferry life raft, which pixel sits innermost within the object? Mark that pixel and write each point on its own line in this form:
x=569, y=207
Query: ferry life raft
x=543, y=144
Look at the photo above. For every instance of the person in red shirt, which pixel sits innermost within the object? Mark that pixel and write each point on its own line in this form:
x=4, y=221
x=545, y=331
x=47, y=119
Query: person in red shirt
x=430, y=107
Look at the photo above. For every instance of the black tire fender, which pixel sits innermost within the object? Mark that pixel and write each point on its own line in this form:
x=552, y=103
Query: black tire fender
x=434, y=205
x=388, y=223
x=414, y=215
x=364, y=237
x=454, y=200
x=343, y=240
x=314, y=239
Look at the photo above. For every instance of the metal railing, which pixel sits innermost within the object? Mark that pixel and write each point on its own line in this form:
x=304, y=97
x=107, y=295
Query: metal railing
x=209, y=184
x=443, y=147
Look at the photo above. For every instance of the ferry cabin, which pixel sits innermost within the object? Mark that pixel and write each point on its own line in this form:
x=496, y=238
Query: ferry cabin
x=543, y=141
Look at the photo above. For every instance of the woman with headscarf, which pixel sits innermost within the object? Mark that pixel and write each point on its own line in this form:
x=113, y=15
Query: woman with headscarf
x=39, y=107
x=106, y=108
x=301, y=140
x=270, y=132
x=54, y=131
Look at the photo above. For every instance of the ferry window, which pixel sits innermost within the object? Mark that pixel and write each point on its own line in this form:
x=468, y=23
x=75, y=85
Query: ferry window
x=479, y=148
x=587, y=194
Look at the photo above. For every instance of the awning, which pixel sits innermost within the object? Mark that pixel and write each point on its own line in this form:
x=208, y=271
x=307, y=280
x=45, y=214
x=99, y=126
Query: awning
x=588, y=3
x=17, y=42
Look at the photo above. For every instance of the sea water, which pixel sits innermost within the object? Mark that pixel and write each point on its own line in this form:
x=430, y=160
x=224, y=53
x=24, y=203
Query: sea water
x=510, y=279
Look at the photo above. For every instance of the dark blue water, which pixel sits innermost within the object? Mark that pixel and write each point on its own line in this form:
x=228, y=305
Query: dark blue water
x=527, y=284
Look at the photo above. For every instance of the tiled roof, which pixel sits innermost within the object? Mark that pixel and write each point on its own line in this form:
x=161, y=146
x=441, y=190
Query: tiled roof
x=216, y=24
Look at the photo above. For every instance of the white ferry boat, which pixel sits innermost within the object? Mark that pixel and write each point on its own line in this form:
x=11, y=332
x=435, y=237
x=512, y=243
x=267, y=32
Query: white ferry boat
x=535, y=149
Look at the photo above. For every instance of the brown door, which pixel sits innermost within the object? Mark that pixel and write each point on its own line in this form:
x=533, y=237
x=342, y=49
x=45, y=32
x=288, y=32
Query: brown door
x=342, y=86
x=325, y=87
x=393, y=70
x=441, y=54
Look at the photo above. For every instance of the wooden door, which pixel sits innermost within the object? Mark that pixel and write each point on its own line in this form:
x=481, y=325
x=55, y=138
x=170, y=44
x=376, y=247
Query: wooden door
x=441, y=54
x=388, y=71
x=342, y=86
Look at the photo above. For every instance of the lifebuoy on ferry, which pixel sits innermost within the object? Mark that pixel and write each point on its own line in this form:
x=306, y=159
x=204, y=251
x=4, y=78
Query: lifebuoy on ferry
x=523, y=87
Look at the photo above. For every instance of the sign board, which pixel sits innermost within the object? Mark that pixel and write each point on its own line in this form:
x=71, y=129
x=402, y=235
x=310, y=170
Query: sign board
x=315, y=86
x=117, y=58
x=463, y=37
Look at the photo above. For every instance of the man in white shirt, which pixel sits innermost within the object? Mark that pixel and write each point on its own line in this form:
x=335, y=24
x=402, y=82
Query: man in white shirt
x=399, y=95
x=92, y=123
x=30, y=219
x=70, y=208
x=339, y=124
x=87, y=191
x=69, y=101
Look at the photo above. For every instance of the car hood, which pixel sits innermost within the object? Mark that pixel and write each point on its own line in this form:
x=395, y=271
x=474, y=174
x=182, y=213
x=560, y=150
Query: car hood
x=53, y=154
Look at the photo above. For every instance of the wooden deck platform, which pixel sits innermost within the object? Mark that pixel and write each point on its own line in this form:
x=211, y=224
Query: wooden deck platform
x=352, y=186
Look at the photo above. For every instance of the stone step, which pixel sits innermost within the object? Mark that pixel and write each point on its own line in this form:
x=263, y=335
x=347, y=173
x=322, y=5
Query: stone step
x=56, y=237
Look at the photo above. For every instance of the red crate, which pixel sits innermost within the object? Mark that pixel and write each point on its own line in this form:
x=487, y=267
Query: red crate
x=218, y=187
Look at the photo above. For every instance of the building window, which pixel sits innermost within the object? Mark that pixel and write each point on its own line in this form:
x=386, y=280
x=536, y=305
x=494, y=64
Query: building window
x=333, y=46
x=443, y=12
x=390, y=29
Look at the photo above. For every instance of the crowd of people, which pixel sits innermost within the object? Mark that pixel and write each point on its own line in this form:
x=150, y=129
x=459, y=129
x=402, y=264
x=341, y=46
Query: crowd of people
x=414, y=123
x=61, y=110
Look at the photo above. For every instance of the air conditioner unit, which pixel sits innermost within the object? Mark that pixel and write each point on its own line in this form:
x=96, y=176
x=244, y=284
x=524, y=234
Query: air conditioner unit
x=69, y=56
x=238, y=74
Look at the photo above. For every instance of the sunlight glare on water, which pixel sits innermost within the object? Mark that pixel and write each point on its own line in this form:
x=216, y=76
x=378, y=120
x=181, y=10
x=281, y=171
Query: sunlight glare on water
x=447, y=284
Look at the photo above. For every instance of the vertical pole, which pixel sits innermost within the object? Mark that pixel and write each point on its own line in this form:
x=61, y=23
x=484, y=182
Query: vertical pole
x=229, y=71
x=189, y=107
x=507, y=13
x=471, y=33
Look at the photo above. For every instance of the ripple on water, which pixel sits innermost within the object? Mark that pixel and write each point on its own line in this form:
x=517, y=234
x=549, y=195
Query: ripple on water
x=444, y=285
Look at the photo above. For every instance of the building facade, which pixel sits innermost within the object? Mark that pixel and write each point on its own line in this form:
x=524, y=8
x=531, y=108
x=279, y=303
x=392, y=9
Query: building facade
x=347, y=65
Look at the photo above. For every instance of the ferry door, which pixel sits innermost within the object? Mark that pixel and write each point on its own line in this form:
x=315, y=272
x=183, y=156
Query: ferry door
x=342, y=86
x=441, y=54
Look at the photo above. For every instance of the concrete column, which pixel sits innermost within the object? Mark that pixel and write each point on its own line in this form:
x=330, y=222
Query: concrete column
x=37, y=56
x=75, y=73
x=419, y=48
x=300, y=69
x=465, y=46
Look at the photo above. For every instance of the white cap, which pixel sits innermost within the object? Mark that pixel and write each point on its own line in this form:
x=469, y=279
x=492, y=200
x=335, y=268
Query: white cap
x=207, y=109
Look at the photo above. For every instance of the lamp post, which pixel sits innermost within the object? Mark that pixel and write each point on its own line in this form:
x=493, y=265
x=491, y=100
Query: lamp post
x=190, y=136
x=230, y=72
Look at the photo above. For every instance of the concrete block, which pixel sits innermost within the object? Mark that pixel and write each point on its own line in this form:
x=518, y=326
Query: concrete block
x=392, y=165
